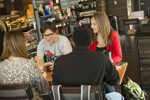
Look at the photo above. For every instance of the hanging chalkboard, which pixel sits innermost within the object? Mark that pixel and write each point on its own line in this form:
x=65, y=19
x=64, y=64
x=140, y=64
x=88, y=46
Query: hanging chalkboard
x=64, y=4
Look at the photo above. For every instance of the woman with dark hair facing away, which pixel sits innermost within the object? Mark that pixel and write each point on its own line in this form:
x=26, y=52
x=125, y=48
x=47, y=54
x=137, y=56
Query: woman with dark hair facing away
x=15, y=67
x=105, y=38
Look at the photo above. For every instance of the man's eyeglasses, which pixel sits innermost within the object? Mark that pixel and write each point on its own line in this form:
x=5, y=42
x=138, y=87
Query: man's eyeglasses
x=44, y=35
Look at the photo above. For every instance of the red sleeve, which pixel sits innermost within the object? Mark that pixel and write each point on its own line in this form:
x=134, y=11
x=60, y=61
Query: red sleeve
x=115, y=48
x=93, y=46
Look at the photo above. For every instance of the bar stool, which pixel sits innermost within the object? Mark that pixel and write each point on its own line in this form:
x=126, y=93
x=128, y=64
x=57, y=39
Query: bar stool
x=129, y=31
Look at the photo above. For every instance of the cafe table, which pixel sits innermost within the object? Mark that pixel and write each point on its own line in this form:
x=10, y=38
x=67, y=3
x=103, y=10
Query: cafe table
x=120, y=66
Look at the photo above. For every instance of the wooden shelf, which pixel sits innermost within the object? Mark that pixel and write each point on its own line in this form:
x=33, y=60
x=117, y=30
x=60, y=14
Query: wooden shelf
x=82, y=10
x=31, y=19
x=32, y=50
x=84, y=17
x=61, y=21
x=56, y=4
x=73, y=19
x=85, y=2
x=46, y=16
x=86, y=24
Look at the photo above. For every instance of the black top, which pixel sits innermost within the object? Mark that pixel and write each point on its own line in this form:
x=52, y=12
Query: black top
x=83, y=66
x=100, y=49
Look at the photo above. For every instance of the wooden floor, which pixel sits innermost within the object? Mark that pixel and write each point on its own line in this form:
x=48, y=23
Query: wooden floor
x=130, y=57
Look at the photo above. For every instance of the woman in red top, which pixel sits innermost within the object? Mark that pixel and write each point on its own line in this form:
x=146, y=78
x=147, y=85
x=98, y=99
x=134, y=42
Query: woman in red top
x=105, y=37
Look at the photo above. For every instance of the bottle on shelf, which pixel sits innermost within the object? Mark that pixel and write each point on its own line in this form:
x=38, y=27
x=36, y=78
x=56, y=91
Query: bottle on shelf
x=41, y=10
x=29, y=14
x=50, y=4
x=47, y=10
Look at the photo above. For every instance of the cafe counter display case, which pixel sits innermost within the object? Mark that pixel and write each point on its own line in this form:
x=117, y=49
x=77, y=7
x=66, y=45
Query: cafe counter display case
x=15, y=22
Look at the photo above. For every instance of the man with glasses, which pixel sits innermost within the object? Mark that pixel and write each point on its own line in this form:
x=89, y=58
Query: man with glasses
x=52, y=46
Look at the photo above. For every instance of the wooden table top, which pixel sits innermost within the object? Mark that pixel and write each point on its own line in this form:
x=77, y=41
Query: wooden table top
x=145, y=18
x=121, y=70
x=49, y=77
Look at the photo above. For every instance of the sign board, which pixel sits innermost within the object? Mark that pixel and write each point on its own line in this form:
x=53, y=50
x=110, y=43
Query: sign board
x=39, y=5
x=64, y=4
x=73, y=2
x=38, y=2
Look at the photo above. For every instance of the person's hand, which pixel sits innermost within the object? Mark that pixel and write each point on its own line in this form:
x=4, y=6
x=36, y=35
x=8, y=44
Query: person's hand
x=50, y=66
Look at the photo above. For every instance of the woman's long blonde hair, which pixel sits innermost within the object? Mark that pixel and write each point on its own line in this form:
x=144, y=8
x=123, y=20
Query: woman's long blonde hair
x=104, y=27
x=14, y=44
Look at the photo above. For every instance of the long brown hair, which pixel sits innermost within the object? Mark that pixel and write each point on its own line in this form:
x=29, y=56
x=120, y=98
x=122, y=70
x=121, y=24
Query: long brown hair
x=3, y=25
x=14, y=44
x=104, y=27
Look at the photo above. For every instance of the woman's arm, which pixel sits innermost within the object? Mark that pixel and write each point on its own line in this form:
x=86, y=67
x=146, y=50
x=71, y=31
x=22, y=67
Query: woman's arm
x=37, y=80
x=115, y=48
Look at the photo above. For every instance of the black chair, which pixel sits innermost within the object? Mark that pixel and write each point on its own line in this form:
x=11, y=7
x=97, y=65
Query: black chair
x=15, y=91
x=85, y=92
x=129, y=31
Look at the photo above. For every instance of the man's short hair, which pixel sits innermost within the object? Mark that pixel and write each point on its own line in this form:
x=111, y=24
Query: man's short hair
x=82, y=37
x=48, y=25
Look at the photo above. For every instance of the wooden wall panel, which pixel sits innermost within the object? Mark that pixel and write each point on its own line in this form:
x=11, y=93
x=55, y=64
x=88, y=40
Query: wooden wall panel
x=119, y=10
x=101, y=5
